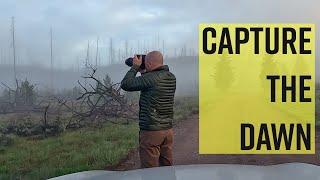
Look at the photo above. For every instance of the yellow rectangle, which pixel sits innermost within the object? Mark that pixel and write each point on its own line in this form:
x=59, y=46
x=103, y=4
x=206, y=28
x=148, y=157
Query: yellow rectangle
x=234, y=91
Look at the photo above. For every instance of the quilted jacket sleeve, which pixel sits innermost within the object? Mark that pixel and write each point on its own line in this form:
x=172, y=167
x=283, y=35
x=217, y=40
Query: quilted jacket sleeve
x=132, y=83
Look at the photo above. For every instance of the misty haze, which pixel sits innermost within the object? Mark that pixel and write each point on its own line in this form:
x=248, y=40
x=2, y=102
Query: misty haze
x=62, y=109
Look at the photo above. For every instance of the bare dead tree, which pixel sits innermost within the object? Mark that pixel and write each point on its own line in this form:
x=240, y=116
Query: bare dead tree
x=100, y=100
x=163, y=48
x=126, y=48
x=14, y=55
x=45, y=120
x=97, y=52
x=13, y=48
x=111, y=52
x=51, y=62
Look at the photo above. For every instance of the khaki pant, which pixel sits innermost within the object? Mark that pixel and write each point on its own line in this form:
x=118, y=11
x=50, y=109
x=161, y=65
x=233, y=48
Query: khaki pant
x=155, y=148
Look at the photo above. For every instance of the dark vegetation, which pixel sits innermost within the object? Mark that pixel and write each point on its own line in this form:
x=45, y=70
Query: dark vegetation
x=93, y=102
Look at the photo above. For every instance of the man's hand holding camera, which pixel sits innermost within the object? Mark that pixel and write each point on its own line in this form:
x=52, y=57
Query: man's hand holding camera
x=138, y=61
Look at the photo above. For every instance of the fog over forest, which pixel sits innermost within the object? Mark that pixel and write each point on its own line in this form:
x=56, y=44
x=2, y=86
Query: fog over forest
x=57, y=38
x=185, y=69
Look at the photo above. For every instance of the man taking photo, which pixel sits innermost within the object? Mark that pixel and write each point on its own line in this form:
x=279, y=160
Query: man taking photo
x=157, y=86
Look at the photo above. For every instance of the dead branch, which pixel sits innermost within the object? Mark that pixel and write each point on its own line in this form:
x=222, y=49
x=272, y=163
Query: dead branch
x=99, y=100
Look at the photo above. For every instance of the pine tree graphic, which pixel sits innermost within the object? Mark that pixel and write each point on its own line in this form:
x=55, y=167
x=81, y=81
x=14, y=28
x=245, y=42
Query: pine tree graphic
x=224, y=75
x=269, y=67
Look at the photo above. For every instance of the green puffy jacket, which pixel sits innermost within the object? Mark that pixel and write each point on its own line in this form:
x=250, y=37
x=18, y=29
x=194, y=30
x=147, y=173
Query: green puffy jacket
x=157, y=96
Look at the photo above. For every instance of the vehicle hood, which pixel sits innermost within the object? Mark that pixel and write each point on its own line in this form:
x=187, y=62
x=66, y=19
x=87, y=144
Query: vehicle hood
x=292, y=171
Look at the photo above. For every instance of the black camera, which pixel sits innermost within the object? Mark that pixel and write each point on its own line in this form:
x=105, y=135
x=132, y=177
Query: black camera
x=129, y=61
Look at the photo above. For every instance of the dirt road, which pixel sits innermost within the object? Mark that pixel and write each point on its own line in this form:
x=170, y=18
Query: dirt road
x=186, y=151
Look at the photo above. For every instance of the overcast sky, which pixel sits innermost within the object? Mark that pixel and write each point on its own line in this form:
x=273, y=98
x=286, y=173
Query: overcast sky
x=75, y=22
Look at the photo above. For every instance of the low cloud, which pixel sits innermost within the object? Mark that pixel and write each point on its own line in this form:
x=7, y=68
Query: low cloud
x=141, y=23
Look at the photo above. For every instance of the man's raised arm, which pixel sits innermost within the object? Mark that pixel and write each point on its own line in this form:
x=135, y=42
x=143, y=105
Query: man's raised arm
x=132, y=83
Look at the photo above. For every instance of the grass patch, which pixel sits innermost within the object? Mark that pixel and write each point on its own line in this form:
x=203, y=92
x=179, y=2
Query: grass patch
x=72, y=151
x=184, y=107
x=79, y=150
